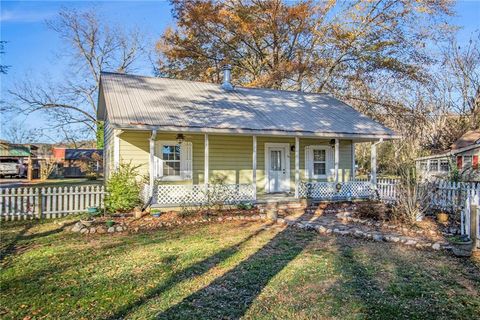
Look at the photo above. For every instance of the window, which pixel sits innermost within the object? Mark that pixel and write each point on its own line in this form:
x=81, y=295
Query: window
x=276, y=160
x=319, y=162
x=444, y=166
x=434, y=165
x=171, y=160
x=467, y=162
x=423, y=166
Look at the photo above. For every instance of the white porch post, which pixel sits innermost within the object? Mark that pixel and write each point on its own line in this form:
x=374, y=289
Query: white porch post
x=337, y=158
x=116, y=149
x=373, y=163
x=152, y=168
x=206, y=173
x=352, y=173
x=254, y=168
x=297, y=166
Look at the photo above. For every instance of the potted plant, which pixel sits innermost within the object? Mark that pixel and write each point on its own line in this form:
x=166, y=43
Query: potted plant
x=442, y=217
x=110, y=223
x=92, y=211
x=155, y=213
x=462, y=246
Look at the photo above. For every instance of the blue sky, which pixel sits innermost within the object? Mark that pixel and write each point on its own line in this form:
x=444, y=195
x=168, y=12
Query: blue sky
x=33, y=50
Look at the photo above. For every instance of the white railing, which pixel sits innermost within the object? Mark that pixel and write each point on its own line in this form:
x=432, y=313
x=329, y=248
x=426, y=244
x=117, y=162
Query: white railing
x=196, y=194
x=48, y=202
x=336, y=191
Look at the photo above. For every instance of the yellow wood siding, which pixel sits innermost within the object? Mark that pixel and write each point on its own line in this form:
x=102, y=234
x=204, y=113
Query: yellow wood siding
x=230, y=156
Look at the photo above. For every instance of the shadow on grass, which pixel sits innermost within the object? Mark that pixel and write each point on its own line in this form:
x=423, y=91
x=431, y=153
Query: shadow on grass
x=412, y=289
x=230, y=296
x=193, y=271
x=12, y=247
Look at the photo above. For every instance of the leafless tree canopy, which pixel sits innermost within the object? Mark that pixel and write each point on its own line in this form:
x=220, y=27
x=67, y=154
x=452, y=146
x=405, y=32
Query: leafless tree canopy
x=92, y=46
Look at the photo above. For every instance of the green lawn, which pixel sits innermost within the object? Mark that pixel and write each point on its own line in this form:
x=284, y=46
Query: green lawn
x=227, y=271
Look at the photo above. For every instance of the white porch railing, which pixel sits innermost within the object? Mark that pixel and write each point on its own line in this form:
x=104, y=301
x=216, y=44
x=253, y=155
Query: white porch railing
x=336, y=191
x=196, y=194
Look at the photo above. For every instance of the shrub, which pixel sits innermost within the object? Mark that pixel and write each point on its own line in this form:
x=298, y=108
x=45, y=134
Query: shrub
x=123, y=189
x=244, y=206
x=375, y=210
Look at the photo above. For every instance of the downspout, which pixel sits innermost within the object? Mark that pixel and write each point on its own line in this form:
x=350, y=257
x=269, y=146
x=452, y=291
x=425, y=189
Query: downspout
x=152, y=162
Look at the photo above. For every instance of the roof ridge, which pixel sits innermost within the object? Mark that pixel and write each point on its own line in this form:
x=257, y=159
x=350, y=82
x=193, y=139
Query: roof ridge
x=213, y=83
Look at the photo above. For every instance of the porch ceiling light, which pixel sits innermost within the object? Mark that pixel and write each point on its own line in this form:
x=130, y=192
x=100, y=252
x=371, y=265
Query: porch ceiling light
x=180, y=138
x=332, y=143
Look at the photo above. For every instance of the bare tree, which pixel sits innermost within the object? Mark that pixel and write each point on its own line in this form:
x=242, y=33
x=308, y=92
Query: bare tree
x=3, y=68
x=16, y=132
x=92, y=47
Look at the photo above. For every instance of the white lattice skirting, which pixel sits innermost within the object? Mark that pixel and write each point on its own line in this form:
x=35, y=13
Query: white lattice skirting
x=336, y=191
x=200, y=194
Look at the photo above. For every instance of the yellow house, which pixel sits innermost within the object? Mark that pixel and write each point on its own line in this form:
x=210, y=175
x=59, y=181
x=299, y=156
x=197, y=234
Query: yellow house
x=194, y=140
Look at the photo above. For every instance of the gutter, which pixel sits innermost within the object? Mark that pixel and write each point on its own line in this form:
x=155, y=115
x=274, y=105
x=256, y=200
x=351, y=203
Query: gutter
x=246, y=131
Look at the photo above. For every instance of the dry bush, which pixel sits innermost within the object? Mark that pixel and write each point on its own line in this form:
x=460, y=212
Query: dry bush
x=375, y=210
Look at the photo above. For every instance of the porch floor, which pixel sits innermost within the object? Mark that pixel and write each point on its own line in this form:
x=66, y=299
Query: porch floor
x=276, y=197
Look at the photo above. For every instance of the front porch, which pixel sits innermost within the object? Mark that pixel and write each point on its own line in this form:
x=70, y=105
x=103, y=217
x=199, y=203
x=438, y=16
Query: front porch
x=191, y=168
x=231, y=194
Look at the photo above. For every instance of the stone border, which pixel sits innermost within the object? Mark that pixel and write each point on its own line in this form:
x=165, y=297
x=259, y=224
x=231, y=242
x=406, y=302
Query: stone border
x=350, y=230
x=369, y=235
x=79, y=227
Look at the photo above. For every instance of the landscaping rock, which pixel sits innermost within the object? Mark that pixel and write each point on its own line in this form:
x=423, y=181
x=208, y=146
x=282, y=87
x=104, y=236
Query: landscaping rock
x=84, y=230
x=119, y=229
x=436, y=246
x=321, y=229
x=111, y=230
x=101, y=230
x=410, y=242
x=377, y=237
x=92, y=230
x=77, y=227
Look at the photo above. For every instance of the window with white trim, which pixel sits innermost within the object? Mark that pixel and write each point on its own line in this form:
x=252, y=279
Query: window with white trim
x=444, y=165
x=433, y=165
x=171, y=160
x=318, y=162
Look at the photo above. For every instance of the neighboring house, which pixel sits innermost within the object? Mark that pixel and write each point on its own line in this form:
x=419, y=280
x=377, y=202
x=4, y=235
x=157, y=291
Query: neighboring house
x=76, y=163
x=463, y=155
x=14, y=159
x=191, y=138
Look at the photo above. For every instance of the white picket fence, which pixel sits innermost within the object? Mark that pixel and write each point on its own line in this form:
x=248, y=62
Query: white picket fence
x=386, y=190
x=48, y=202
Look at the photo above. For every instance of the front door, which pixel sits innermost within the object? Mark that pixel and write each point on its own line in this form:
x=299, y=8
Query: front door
x=277, y=164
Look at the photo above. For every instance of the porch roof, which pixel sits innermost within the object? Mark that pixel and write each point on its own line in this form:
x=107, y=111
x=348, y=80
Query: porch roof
x=139, y=102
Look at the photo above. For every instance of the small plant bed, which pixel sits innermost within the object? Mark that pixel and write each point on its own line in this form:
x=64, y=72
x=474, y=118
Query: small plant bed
x=156, y=219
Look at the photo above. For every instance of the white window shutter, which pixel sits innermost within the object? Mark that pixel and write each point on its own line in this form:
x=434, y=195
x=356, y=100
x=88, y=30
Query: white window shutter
x=330, y=163
x=308, y=162
x=186, y=160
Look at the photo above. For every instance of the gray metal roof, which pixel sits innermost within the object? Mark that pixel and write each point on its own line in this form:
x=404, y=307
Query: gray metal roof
x=137, y=101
